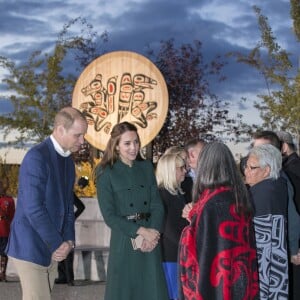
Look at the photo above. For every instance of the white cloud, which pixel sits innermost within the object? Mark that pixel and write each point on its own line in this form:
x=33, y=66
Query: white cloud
x=222, y=26
x=223, y=12
x=239, y=20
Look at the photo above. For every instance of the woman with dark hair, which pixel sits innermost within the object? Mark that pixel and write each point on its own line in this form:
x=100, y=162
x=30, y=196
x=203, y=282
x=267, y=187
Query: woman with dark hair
x=131, y=206
x=217, y=254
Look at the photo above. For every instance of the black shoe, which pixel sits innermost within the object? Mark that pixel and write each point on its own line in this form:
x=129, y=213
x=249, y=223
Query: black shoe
x=71, y=283
x=60, y=281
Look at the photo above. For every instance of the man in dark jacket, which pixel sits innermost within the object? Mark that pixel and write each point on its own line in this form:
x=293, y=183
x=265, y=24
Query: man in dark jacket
x=291, y=166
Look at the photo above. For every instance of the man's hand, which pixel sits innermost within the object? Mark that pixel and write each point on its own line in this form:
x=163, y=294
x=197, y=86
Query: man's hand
x=295, y=259
x=62, y=251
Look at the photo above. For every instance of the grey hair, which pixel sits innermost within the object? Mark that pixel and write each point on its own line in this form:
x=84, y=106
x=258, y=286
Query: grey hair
x=268, y=155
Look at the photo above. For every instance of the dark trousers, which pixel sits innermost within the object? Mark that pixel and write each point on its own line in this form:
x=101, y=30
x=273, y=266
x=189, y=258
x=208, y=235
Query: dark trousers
x=294, y=288
x=3, y=243
x=65, y=269
x=100, y=265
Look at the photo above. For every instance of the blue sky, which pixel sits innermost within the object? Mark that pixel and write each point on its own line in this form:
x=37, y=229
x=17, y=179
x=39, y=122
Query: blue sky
x=221, y=26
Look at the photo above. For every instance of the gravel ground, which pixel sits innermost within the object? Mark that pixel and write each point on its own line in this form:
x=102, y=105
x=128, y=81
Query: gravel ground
x=82, y=290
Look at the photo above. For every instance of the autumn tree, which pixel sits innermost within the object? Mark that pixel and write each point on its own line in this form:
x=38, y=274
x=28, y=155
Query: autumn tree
x=279, y=106
x=194, y=111
x=44, y=84
x=295, y=14
x=41, y=86
x=9, y=177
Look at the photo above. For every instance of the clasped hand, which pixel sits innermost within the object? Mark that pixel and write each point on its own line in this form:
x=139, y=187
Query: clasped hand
x=150, y=238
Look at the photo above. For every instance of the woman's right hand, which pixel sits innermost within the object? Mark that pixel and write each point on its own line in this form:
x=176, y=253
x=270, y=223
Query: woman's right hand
x=149, y=234
x=147, y=246
x=186, y=211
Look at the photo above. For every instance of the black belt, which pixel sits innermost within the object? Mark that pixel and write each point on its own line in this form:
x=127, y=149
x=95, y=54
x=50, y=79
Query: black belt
x=138, y=216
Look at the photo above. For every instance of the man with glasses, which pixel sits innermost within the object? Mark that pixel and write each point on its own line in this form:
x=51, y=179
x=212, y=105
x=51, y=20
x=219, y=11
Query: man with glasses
x=270, y=137
x=270, y=199
x=291, y=166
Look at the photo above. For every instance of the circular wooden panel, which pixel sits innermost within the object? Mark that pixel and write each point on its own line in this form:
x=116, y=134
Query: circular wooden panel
x=121, y=86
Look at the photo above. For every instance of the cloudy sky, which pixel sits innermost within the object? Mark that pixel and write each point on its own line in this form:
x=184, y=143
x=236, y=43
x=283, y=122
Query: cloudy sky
x=222, y=26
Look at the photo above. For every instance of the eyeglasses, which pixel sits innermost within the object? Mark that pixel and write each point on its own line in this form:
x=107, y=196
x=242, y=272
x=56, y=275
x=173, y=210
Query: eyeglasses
x=252, y=167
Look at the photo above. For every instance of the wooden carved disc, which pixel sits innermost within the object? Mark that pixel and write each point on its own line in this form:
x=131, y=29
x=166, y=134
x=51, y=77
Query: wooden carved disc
x=121, y=86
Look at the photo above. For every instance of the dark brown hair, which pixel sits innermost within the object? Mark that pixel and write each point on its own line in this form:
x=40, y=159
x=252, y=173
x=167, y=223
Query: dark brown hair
x=111, y=154
x=216, y=168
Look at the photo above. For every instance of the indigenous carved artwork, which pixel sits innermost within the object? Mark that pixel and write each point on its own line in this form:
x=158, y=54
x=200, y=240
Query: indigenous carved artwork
x=121, y=86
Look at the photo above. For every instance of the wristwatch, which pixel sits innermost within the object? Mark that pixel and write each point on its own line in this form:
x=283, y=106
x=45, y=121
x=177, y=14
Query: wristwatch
x=71, y=244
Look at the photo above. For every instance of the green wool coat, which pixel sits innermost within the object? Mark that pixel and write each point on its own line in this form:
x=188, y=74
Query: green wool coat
x=122, y=191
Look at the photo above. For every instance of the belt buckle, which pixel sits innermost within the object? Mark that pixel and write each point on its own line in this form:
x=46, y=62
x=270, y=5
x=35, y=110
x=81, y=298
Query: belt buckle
x=138, y=216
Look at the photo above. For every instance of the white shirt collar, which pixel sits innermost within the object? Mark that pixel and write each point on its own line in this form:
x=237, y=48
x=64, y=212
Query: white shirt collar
x=58, y=148
x=192, y=173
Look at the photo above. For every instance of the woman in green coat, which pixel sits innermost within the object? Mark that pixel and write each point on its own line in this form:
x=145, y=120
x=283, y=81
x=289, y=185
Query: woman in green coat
x=131, y=206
